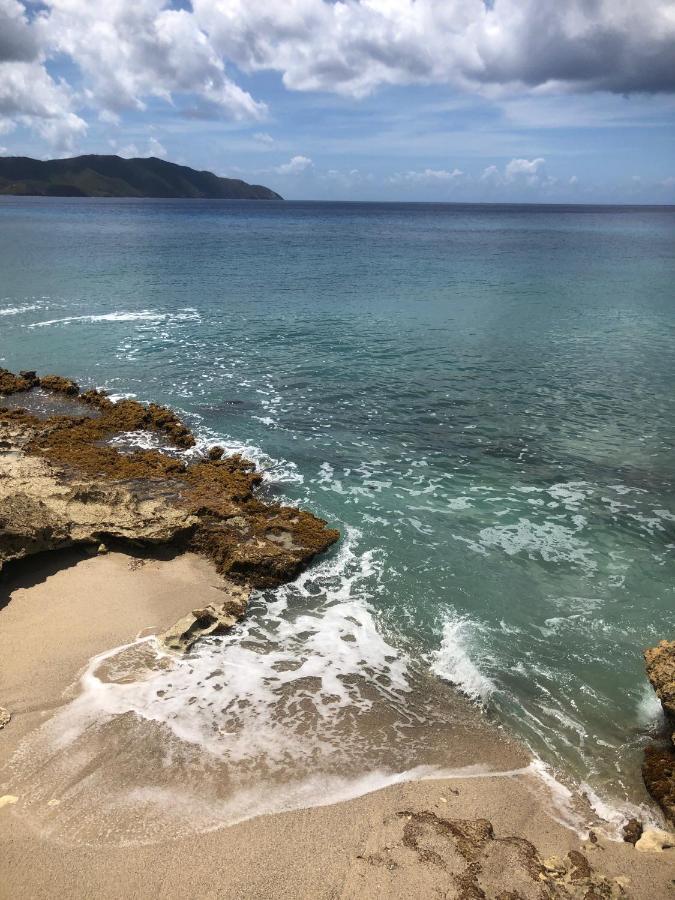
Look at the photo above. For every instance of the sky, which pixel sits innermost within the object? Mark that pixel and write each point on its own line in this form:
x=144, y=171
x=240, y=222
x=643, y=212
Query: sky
x=430, y=100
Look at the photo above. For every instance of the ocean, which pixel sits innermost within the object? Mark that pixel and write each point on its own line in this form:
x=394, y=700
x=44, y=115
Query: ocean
x=481, y=398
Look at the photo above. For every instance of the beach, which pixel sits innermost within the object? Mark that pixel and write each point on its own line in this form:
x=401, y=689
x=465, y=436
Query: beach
x=392, y=842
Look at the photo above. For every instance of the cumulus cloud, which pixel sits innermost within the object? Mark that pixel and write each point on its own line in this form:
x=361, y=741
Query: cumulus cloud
x=354, y=46
x=427, y=176
x=17, y=40
x=188, y=53
x=295, y=166
x=129, y=50
x=523, y=172
x=29, y=96
x=131, y=151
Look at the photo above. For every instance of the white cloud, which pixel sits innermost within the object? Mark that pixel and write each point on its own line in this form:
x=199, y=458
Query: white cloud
x=353, y=47
x=129, y=50
x=263, y=138
x=131, y=151
x=523, y=168
x=520, y=172
x=427, y=176
x=29, y=96
x=295, y=166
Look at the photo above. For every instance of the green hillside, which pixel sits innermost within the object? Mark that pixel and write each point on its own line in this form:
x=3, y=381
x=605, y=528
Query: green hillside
x=112, y=176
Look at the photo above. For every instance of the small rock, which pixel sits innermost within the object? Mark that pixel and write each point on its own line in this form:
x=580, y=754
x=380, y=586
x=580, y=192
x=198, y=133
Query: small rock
x=655, y=840
x=632, y=831
x=7, y=800
x=5, y=717
x=102, y=549
x=207, y=620
x=216, y=453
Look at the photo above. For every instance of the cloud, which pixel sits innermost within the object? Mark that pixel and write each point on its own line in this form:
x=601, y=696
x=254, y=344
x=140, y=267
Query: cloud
x=17, y=41
x=131, y=151
x=263, y=138
x=427, y=176
x=29, y=96
x=130, y=50
x=519, y=172
x=295, y=166
x=353, y=47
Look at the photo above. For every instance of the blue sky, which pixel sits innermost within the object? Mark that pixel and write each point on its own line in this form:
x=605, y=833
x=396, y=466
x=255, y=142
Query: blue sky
x=395, y=100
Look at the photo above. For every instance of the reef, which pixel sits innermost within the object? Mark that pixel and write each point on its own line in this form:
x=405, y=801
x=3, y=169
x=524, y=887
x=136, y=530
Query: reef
x=64, y=482
x=658, y=767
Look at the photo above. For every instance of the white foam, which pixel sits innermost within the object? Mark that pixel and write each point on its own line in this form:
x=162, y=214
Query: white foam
x=18, y=310
x=453, y=663
x=145, y=315
x=550, y=541
x=266, y=671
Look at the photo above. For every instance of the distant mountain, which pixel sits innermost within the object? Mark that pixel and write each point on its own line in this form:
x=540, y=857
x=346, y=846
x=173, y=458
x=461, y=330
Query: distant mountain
x=112, y=176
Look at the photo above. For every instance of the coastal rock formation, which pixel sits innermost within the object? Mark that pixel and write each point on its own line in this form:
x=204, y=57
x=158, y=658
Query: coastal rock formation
x=660, y=664
x=64, y=482
x=207, y=620
x=658, y=767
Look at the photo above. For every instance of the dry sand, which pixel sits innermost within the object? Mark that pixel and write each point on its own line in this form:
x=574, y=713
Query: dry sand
x=420, y=839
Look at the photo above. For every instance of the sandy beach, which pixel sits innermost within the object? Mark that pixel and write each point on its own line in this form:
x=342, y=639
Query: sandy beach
x=453, y=837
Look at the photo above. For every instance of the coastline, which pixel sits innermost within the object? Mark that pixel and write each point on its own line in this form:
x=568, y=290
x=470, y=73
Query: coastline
x=103, y=756
x=393, y=841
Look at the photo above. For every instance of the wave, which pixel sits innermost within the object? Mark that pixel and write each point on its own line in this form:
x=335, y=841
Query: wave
x=188, y=314
x=453, y=663
x=18, y=310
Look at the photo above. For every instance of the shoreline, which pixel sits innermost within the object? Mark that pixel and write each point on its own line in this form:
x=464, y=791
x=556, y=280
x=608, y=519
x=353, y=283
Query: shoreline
x=395, y=839
x=105, y=748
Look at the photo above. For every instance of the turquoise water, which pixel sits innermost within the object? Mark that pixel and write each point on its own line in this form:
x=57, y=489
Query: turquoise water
x=481, y=398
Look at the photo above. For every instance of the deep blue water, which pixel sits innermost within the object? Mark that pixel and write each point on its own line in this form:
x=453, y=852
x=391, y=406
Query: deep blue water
x=481, y=397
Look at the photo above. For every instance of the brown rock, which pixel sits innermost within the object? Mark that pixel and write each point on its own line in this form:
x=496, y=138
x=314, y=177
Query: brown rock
x=658, y=773
x=5, y=717
x=632, y=831
x=63, y=483
x=14, y=384
x=216, y=453
x=59, y=385
x=660, y=664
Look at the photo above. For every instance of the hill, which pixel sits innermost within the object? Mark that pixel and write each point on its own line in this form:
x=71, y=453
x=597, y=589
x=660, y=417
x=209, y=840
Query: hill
x=113, y=176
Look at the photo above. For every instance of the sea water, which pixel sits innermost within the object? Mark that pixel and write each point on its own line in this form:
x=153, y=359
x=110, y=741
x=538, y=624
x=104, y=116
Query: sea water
x=482, y=400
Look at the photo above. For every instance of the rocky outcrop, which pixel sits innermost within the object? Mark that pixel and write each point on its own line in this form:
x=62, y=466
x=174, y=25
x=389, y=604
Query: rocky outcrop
x=660, y=664
x=42, y=509
x=63, y=482
x=658, y=767
x=207, y=620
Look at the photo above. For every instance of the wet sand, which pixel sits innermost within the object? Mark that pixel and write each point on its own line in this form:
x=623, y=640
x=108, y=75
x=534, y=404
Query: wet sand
x=448, y=837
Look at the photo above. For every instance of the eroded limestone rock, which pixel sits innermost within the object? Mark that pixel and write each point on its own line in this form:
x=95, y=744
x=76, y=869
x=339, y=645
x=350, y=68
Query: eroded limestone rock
x=207, y=620
x=5, y=717
x=249, y=540
x=655, y=840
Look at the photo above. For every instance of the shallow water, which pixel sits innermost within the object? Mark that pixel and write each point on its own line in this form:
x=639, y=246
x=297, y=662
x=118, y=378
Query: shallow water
x=481, y=398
